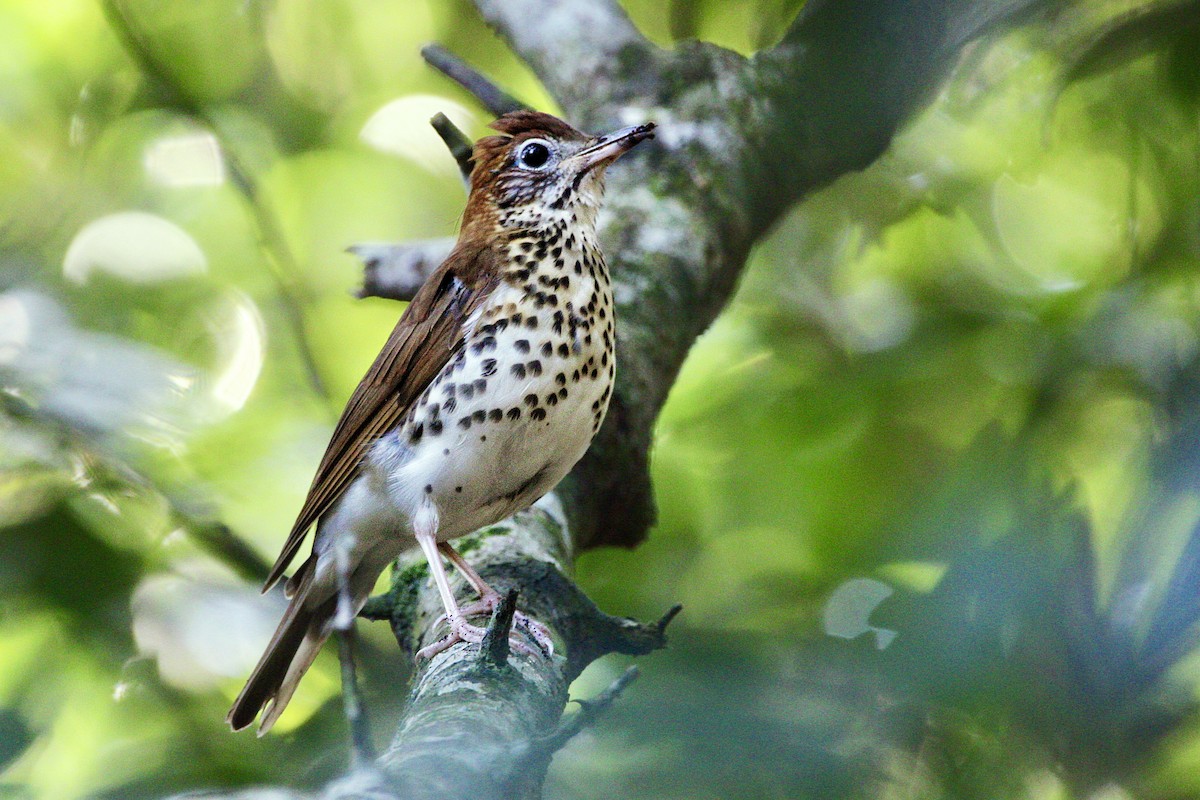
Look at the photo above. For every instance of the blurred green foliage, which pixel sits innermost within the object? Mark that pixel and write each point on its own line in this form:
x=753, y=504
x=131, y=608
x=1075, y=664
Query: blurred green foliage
x=928, y=489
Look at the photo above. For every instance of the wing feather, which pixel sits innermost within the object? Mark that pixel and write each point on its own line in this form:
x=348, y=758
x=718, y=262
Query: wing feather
x=428, y=335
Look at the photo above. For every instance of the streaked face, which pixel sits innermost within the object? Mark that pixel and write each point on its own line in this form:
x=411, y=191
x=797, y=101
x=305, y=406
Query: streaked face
x=543, y=175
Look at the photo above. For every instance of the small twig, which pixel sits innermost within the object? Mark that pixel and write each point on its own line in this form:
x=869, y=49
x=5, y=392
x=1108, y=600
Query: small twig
x=589, y=712
x=492, y=97
x=662, y=624
x=494, y=648
x=457, y=142
x=356, y=715
x=396, y=271
x=611, y=634
x=219, y=540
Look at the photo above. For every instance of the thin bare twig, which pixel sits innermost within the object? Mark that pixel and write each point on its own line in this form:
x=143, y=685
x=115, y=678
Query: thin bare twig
x=456, y=141
x=356, y=715
x=494, y=648
x=493, y=98
x=589, y=712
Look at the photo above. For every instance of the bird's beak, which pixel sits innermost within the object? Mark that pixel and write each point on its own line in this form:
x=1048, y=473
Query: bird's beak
x=606, y=149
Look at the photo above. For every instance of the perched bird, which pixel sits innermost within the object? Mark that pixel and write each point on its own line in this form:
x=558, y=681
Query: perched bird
x=489, y=389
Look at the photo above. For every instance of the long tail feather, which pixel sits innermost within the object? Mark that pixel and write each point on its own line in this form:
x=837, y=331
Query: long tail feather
x=288, y=656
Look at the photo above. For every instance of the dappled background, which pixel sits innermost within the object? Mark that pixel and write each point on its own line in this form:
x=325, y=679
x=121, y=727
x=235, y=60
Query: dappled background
x=929, y=490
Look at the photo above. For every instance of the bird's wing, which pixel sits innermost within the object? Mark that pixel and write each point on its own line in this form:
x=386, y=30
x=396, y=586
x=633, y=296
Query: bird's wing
x=428, y=335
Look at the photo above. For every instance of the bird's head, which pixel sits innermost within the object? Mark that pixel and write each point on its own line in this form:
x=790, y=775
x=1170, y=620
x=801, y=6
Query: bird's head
x=540, y=171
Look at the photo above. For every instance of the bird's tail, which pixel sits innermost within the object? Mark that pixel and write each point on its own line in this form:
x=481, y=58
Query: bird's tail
x=290, y=653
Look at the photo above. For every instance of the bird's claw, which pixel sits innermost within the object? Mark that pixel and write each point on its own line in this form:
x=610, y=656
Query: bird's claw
x=463, y=631
x=460, y=631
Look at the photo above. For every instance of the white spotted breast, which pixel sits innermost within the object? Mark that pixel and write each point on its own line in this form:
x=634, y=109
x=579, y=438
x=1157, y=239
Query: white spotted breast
x=519, y=403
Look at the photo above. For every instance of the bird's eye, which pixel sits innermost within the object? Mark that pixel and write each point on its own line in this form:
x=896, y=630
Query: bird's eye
x=534, y=155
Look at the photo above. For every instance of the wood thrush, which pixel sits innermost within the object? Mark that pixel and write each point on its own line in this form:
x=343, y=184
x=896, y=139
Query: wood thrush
x=489, y=389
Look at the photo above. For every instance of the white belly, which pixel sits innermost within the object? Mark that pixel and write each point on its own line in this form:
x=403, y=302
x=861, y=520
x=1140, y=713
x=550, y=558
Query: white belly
x=502, y=425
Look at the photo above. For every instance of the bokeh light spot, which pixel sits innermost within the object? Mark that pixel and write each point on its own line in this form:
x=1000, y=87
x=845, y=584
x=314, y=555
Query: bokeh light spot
x=136, y=246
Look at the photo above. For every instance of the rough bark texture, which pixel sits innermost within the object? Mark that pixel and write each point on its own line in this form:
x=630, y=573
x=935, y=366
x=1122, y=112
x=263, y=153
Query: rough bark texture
x=739, y=141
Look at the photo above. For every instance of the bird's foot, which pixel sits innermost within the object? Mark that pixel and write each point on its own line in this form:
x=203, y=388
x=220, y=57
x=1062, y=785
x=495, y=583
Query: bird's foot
x=536, y=630
x=460, y=631
x=463, y=631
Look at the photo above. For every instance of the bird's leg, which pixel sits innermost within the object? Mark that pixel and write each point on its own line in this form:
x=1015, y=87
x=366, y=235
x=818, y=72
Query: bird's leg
x=489, y=598
x=460, y=629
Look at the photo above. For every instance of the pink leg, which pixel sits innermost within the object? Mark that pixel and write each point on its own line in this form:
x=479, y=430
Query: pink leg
x=468, y=572
x=489, y=598
x=460, y=629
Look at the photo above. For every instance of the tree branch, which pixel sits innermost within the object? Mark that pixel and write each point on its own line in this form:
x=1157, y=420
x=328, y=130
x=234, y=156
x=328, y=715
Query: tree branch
x=846, y=76
x=491, y=96
x=589, y=712
x=396, y=271
x=573, y=44
x=479, y=716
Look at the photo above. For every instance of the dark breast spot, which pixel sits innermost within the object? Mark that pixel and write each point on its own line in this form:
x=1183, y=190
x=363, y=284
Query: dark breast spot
x=486, y=343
